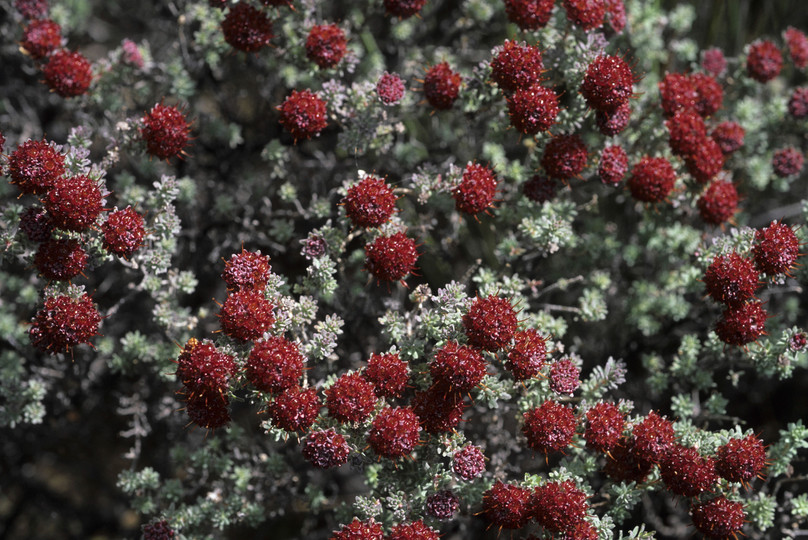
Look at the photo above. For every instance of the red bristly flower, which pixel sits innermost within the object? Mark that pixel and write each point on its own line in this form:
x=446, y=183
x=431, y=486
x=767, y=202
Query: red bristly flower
x=718, y=203
x=203, y=369
x=351, y=398
x=731, y=279
x=608, y=83
x=64, y=322
x=441, y=86
x=533, y=109
x=165, y=131
x=611, y=123
x=705, y=161
x=564, y=156
x=651, y=438
x=587, y=14
x=565, y=377
x=41, y=37
x=468, y=462
x=295, y=409
x=416, y=530
x=394, y=432
x=529, y=14
x=68, y=73
x=359, y=530
x=517, y=66
x=613, y=165
x=34, y=166
x=507, y=506
x=709, y=92
x=390, y=88
x=718, y=518
x=742, y=324
x=798, y=103
x=246, y=270
x=246, y=315
x=388, y=373
x=797, y=47
x=490, y=323
x=604, y=427
x=764, y=61
x=459, y=367
x=741, y=460
x=442, y=504
x=776, y=248
x=274, y=365
x=652, y=179
x=713, y=61
x=370, y=203
x=550, y=427
x=686, y=472
x=403, y=9
x=391, y=258
x=326, y=45
x=527, y=356
x=36, y=224
x=123, y=232
x=303, y=114
x=60, y=259
x=74, y=203
x=246, y=28
x=559, y=506
x=677, y=92
x=439, y=408
x=476, y=190
x=729, y=136
x=787, y=162
x=326, y=449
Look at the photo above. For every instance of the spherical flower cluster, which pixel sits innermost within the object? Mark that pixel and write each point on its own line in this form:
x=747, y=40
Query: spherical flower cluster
x=68, y=73
x=507, y=506
x=490, y=323
x=623, y=465
x=616, y=15
x=159, y=530
x=64, y=322
x=41, y=37
x=731, y=279
x=388, y=373
x=743, y=324
x=294, y=409
x=123, y=232
x=613, y=165
x=686, y=132
x=608, y=83
x=246, y=28
x=476, y=190
x=540, y=188
x=776, y=248
x=652, y=179
x=710, y=96
x=517, y=66
x=441, y=86
x=564, y=156
x=34, y=166
x=351, y=398
x=403, y=9
x=391, y=258
x=718, y=518
x=442, y=504
x=533, y=109
x=706, y=161
x=528, y=354
x=798, y=103
x=246, y=315
x=797, y=47
x=686, y=472
x=165, y=131
x=36, y=224
x=729, y=136
x=303, y=114
x=203, y=369
x=764, y=61
x=370, y=203
x=439, y=408
x=459, y=367
x=326, y=45
x=677, y=92
x=246, y=270
x=274, y=365
x=74, y=202
x=587, y=14
x=326, y=449
x=416, y=530
x=564, y=376
x=718, y=203
x=360, y=530
x=611, y=123
x=549, y=427
x=390, y=88
x=651, y=438
x=60, y=259
x=713, y=61
x=469, y=462
x=529, y=14
x=787, y=162
x=394, y=432
x=209, y=411
x=604, y=427
x=32, y=9
x=741, y=460
x=559, y=506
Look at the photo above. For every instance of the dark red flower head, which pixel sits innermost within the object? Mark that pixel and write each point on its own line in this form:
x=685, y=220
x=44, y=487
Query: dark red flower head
x=564, y=157
x=517, y=66
x=731, y=279
x=776, y=248
x=713, y=61
x=787, y=162
x=729, y=136
x=274, y=365
x=165, y=131
x=718, y=203
x=710, y=95
x=608, y=83
x=587, y=14
x=35, y=165
x=246, y=315
x=295, y=409
x=326, y=45
x=64, y=322
x=529, y=14
x=403, y=9
x=764, y=61
x=303, y=114
x=388, y=373
x=742, y=324
x=123, y=232
x=604, y=427
x=613, y=165
x=351, y=398
x=394, y=432
x=718, y=518
x=652, y=179
x=459, y=367
x=360, y=530
x=490, y=323
x=246, y=270
x=741, y=460
x=246, y=28
x=686, y=472
x=391, y=258
x=370, y=203
x=60, y=259
x=528, y=354
x=476, y=190
x=442, y=86
x=559, y=506
x=677, y=92
x=41, y=37
x=549, y=427
x=326, y=449
x=797, y=47
x=533, y=109
x=390, y=88
x=507, y=506
x=68, y=73
x=74, y=203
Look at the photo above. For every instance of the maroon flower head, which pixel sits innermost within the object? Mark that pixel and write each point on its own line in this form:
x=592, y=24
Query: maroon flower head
x=787, y=162
x=677, y=92
x=417, y=530
x=439, y=408
x=123, y=232
x=490, y=323
x=741, y=460
x=41, y=37
x=540, y=188
x=246, y=270
x=246, y=28
x=159, y=530
x=476, y=190
x=469, y=462
x=652, y=179
x=303, y=114
x=705, y=161
x=776, y=248
x=326, y=45
x=613, y=165
x=559, y=506
x=797, y=47
x=651, y=438
x=203, y=369
x=403, y=9
x=74, y=203
x=360, y=530
x=391, y=258
x=394, y=432
x=60, y=259
x=36, y=224
x=743, y=324
x=764, y=61
x=718, y=518
x=687, y=132
x=459, y=367
x=564, y=157
x=613, y=122
x=165, y=131
x=68, y=73
x=686, y=472
x=729, y=136
x=295, y=409
x=798, y=103
x=608, y=83
x=208, y=410
x=274, y=365
x=529, y=14
x=550, y=427
x=442, y=504
x=604, y=427
x=369, y=203
x=710, y=94
x=441, y=86
x=718, y=203
x=713, y=61
x=528, y=354
x=390, y=88
x=616, y=15
x=64, y=322
x=388, y=373
x=351, y=398
x=622, y=465
x=32, y=9
x=507, y=506
x=565, y=377
x=326, y=449
x=587, y=14
x=533, y=109
x=246, y=315
x=517, y=66
x=731, y=279
x=34, y=166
